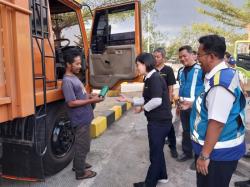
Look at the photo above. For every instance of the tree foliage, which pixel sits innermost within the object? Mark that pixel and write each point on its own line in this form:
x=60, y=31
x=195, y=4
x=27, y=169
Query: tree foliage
x=225, y=12
x=232, y=22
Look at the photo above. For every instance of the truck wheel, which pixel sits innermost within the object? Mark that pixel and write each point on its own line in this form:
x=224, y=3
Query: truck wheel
x=60, y=139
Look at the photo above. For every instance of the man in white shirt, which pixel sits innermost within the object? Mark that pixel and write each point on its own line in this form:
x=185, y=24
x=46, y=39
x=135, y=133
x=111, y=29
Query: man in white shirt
x=217, y=120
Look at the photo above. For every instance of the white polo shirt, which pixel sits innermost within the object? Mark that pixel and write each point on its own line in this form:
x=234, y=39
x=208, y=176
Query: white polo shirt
x=219, y=100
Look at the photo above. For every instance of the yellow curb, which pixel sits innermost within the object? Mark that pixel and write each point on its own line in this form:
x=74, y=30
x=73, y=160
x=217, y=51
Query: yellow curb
x=129, y=106
x=113, y=93
x=118, y=111
x=98, y=126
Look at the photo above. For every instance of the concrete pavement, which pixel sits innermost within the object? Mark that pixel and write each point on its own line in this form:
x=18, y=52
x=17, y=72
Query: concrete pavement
x=120, y=157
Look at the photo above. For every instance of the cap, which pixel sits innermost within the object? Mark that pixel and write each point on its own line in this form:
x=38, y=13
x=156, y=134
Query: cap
x=231, y=61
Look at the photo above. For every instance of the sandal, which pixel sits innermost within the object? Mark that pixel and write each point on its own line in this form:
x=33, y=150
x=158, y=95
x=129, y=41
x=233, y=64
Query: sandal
x=87, y=175
x=87, y=166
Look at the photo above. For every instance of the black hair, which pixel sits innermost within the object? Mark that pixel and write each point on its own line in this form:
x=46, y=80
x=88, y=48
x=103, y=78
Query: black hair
x=227, y=54
x=147, y=59
x=70, y=56
x=214, y=44
x=194, y=52
x=186, y=47
x=161, y=50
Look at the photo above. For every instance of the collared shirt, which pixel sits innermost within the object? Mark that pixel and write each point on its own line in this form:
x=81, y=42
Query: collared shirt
x=150, y=74
x=153, y=103
x=219, y=101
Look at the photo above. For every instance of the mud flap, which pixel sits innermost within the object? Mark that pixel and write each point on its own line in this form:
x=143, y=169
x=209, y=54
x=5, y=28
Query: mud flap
x=21, y=162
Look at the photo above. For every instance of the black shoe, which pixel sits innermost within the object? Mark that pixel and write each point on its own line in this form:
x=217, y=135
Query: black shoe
x=242, y=183
x=87, y=166
x=140, y=184
x=192, y=166
x=174, y=153
x=183, y=158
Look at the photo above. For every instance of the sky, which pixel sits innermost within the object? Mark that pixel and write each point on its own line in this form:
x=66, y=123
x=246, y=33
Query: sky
x=173, y=15
x=170, y=17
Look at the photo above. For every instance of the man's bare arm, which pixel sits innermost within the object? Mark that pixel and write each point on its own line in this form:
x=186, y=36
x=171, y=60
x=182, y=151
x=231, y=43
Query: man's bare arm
x=171, y=92
x=213, y=133
x=77, y=103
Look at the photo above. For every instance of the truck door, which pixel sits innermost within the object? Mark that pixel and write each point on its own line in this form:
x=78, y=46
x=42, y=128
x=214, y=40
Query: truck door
x=115, y=42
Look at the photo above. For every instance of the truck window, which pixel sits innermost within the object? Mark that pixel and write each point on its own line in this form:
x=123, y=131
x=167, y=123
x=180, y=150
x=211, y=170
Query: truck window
x=67, y=35
x=66, y=30
x=39, y=17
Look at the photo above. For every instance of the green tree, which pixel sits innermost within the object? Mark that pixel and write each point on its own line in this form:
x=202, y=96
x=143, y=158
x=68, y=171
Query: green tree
x=225, y=12
x=230, y=19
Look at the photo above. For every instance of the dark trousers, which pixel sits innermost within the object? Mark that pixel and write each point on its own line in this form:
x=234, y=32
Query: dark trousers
x=82, y=147
x=172, y=138
x=186, y=141
x=157, y=132
x=219, y=174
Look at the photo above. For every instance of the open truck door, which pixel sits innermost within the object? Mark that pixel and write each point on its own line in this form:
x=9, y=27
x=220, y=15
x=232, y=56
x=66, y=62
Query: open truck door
x=115, y=42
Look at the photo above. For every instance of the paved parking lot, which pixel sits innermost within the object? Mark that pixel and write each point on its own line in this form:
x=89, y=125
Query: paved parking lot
x=120, y=157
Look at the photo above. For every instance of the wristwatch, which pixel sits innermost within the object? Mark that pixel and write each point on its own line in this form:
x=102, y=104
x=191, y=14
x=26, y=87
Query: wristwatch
x=202, y=157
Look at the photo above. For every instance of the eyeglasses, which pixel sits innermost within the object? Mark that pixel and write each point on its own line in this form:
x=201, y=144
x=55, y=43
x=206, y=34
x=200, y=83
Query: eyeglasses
x=201, y=55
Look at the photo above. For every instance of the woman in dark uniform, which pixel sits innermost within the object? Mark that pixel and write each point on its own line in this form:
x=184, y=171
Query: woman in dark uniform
x=157, y=108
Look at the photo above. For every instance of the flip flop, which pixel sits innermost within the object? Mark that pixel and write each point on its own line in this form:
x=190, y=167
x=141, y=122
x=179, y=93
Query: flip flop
x=87, y=166
x=88, y=174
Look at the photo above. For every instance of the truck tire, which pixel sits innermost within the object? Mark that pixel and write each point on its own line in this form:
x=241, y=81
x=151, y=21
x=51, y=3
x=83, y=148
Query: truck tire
x=60, y=139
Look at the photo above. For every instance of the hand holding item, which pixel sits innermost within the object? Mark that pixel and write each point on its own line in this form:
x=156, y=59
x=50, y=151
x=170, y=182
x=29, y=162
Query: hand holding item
x=93, y=95
x=97, y=99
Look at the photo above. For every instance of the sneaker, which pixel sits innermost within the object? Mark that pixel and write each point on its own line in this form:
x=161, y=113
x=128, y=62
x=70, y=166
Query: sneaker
x=163, y=181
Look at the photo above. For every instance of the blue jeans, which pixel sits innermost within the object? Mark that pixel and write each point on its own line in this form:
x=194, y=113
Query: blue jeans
x=157, y=132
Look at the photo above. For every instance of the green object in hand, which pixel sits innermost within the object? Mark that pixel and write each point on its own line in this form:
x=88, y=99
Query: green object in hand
x=104, y=91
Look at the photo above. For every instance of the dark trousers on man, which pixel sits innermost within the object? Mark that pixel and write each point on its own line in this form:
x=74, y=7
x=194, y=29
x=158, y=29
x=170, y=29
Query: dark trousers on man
x=157, y=132
x=219, y=174
x=186, y=141
x=172, y=139
x=82, y=147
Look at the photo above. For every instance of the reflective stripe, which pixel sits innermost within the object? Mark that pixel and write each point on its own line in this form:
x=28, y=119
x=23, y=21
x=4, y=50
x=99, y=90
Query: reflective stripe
x=198, y=104
x=193, y=85
x=220, y=145
x=187, y=99
x=217, y=78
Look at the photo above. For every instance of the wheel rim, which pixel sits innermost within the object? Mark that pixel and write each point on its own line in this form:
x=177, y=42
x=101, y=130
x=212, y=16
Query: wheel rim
x=62, y=138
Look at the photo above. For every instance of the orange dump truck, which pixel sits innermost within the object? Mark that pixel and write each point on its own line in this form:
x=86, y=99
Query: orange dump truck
x=36, y=135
